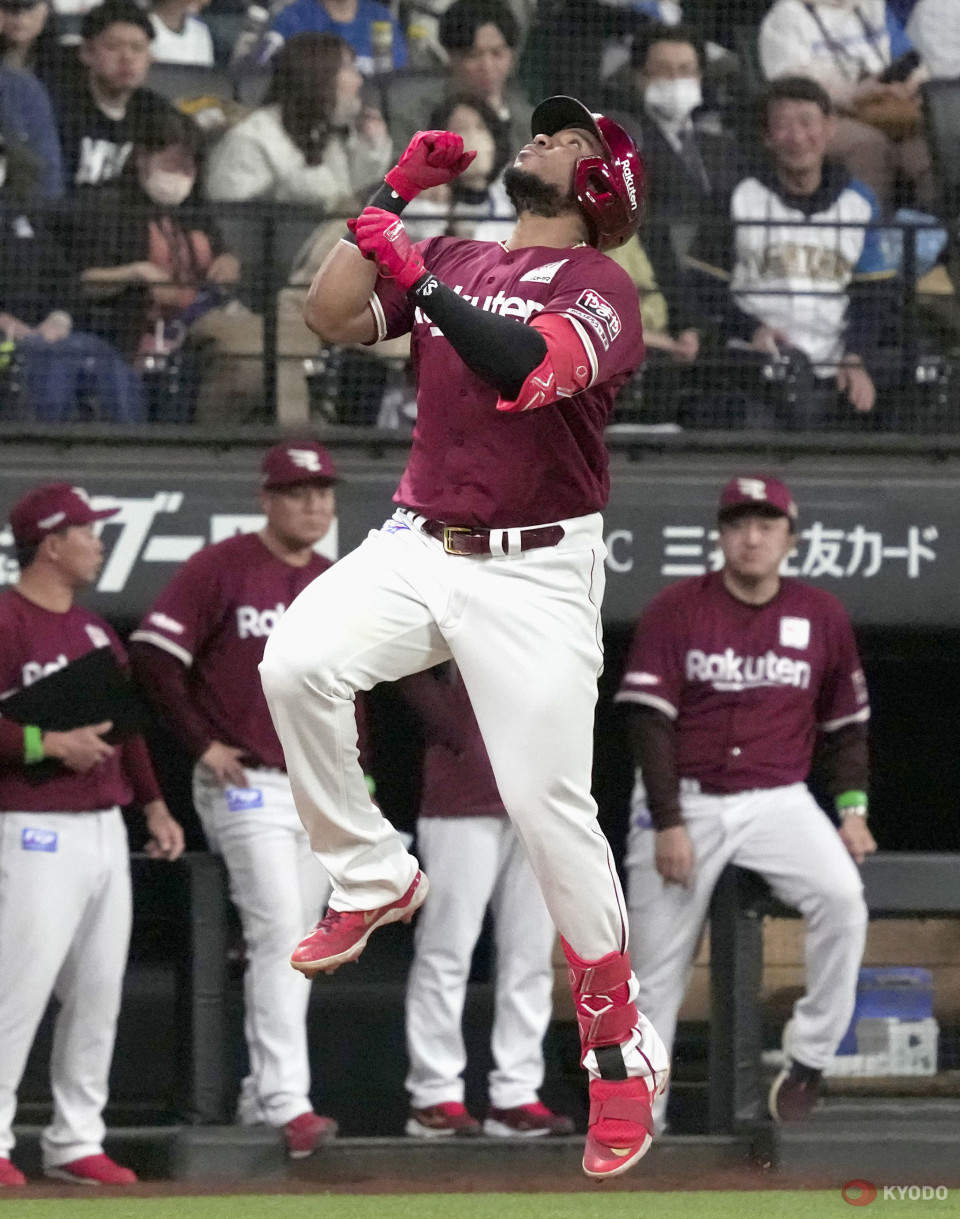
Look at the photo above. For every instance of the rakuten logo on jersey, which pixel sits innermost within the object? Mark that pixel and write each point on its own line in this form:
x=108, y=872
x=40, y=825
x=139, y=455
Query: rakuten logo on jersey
x=33, y=670
x=729, y=672
x=506, y=306
x=257, y=624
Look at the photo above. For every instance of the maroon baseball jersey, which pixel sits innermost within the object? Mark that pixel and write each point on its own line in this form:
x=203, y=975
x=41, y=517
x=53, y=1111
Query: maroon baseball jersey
x=457, y=776
x=215, y=616
x=35, y=642
x=748, y=686
x=471, y=464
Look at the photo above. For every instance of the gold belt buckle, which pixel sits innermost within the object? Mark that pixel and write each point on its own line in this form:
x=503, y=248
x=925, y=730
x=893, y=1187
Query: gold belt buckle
x=448, y=531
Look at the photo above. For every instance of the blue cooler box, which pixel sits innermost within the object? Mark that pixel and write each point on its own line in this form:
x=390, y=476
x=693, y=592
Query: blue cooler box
x=900, y=993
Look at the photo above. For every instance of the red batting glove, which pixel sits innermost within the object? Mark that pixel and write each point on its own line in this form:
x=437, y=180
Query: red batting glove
x=432, y=158
x=381, y=236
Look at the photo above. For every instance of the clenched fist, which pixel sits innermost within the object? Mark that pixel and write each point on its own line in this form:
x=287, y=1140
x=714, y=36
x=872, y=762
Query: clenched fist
x=432, y=158
x=381, y=237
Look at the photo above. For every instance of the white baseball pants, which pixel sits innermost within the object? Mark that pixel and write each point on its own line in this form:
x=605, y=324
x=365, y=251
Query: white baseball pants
x=525, y=633
x=785, y=836
x=65, y=916
x=473, y=862
x=280, y=890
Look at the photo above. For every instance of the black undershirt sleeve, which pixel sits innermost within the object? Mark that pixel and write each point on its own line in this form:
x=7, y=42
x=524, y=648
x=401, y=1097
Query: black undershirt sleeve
x=653, y=738
x=500, y=350
x=844, y=758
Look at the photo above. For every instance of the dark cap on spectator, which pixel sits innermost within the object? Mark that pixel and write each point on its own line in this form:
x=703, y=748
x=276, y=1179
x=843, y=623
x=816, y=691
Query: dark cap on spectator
x=299, y=461
x=752, y=491
x=50, y=508
x=115, y=12
x=16, y=6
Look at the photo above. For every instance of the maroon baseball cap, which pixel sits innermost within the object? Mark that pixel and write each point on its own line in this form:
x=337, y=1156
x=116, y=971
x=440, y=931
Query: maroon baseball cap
x=753, y=490
x=52, y=507
x=298, y=461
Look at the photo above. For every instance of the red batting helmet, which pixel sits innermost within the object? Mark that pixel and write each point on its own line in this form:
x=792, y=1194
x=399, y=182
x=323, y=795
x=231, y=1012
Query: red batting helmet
x=609, y=189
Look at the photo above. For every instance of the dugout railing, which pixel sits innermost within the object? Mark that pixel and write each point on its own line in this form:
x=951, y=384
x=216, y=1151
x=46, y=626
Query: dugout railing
x=896, y=885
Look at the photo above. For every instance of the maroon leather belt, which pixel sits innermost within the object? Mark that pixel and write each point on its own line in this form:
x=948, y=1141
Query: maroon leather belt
x=460, y=539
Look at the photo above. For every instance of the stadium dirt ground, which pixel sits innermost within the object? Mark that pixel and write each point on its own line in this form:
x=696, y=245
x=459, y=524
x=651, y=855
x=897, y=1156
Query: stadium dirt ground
x=747, y=1197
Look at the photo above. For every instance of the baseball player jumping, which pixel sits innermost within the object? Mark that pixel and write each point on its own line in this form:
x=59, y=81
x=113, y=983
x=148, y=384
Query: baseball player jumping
x=475, y=860
x=733, y=678
x=494, y=557
x=196, y=653
x=65, y=901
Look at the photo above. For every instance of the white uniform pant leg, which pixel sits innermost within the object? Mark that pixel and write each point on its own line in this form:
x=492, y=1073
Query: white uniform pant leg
x=528, y=645
x=666, y=920
x=790, y=840
x=89, y=988
x=461, y=855
x=369, y=618
x=279, y=889
x=43, y=895
x=525, y=935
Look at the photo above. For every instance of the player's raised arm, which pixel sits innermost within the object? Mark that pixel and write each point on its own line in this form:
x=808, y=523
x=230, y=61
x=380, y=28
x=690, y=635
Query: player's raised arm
x=338, y=303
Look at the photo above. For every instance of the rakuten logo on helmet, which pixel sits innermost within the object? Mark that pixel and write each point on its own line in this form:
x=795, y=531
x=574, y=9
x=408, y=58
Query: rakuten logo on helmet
x=628, y=182
x=727, y=671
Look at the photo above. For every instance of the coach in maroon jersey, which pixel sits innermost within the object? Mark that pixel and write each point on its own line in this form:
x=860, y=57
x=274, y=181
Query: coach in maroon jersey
x=196, y=653
x=65, y=901
x=734, y=677
x=494, y=558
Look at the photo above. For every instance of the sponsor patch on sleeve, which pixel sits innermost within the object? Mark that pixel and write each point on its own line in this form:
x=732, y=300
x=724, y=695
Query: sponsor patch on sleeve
x=590, y=304
x=39, y=840
x=166, y=623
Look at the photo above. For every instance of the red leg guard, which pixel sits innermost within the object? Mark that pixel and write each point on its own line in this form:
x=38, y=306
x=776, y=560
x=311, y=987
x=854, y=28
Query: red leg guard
x=605, y=1013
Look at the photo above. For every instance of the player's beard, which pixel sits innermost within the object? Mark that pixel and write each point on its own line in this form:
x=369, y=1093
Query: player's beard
x=528, y=193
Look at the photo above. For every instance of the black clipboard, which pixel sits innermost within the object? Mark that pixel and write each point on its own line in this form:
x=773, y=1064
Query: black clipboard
x=85, y=691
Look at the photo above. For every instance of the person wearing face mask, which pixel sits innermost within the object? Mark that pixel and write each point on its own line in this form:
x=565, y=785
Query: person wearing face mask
x=693, y=163
x=313, y=141
x=156, y=278
x=475, y=205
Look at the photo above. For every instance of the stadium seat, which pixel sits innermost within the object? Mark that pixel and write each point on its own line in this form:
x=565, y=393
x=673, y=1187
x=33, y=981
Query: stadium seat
x=179, y=82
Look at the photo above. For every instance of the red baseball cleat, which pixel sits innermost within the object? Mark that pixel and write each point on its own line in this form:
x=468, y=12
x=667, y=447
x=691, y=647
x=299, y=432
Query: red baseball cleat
x=92, y=1170
x=10, y=1174
x=621, y=1126
x=304, y=1134
x=341, y=935
x=441, y=1122
x=525, y=1122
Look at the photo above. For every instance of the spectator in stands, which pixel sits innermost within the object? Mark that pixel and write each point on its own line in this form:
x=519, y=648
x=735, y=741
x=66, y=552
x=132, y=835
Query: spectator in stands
x=57, y=366
x=934, y=29
x=860, y=53
x=157, y=277
x=367, y=27
x=480, y=38
x=30, y=40
x=313, y=141
x=801, y=290
x=27, y=121
x=106, y=108
x=180, y=35
x=692, y=162
x=475, y=205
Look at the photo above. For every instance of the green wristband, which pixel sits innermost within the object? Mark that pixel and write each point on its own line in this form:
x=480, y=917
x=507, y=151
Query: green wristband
x=371, y=784
x=851, y=799
x=32, y=745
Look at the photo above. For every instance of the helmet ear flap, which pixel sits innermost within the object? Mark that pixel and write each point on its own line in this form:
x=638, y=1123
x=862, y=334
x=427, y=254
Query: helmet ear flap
x=602, y=205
